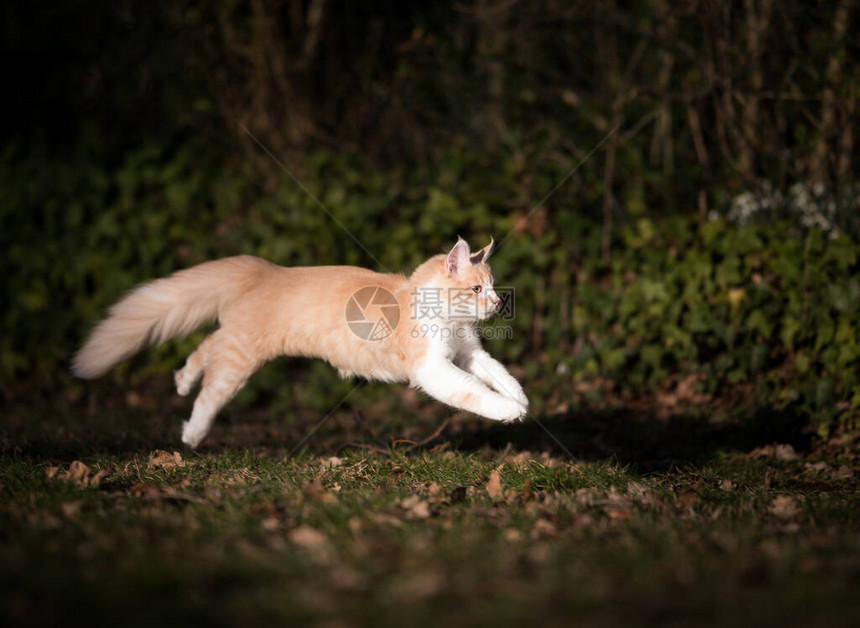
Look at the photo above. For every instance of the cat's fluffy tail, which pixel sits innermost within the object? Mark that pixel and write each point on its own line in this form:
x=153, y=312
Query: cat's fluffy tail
x=163, y=309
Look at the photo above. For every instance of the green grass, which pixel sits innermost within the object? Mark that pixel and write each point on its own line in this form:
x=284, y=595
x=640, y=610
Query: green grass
x=352, y=530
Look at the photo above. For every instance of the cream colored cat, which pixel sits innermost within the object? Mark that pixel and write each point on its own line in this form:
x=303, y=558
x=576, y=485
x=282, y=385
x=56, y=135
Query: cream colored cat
x=419, y=329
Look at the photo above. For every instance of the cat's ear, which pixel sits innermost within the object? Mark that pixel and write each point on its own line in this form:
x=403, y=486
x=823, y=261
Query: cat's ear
x=458, y=258
x=483, y=255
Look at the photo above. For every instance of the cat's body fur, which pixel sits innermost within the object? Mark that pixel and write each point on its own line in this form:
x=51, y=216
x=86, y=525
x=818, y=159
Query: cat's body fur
x=265, y=311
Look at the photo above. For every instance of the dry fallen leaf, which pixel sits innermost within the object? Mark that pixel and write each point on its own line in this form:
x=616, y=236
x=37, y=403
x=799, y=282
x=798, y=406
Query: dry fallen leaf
x=145, y=490
x=382, y=519
x=98, y=476
x=71, y=509
x=784, y=507
x=542, y=529
x=312, y=540
x=494, y=485
x=619, y=515
x=778, y=451
x=687, y=499
x=270, y=524
x=78, y=473
x=161, y=459
x=815, y=467
x=527, y=494
x=513, y=535
x=152, y=492
x=844, y=472
x=419, y=586
x=315, y=491
x=586, y=496
x=784, y=452
x=331, y=462
x=433, y=489
x=415, y=507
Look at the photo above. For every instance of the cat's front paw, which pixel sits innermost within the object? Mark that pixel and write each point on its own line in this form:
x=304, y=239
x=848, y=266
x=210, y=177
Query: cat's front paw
x=509, y=410
x=521, y=398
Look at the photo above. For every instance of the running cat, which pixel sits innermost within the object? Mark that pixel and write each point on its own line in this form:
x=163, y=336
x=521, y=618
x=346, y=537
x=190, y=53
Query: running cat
x=418, y=329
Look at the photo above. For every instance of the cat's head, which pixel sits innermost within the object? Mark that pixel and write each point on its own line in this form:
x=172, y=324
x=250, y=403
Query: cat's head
x=458, y=286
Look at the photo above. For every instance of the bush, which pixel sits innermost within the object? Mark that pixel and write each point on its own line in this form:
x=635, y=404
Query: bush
x=767, y=304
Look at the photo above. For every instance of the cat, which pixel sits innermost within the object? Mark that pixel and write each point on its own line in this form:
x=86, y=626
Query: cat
x=378, y=326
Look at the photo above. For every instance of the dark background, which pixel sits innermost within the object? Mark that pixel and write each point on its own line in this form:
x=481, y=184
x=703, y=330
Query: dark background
x=703, y=256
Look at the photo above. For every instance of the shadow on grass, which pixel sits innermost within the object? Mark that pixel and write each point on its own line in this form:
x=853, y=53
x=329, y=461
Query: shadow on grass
x=643, y=441
x=647, y=443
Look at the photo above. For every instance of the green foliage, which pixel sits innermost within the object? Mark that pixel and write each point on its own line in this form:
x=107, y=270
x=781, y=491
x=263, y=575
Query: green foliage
x=732, y=303
x=760, y=303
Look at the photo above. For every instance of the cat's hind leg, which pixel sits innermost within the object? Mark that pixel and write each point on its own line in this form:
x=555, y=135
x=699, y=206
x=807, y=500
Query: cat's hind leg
x=190, y=374
x=228, y=367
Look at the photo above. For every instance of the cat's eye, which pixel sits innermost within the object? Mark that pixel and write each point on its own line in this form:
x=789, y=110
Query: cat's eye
x=477, y=289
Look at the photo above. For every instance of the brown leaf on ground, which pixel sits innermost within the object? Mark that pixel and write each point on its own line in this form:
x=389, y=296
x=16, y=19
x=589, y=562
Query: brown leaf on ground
x=419, y=586
x=777, y=451
x=434, y=490
x=152, y=492
x=682, y=396
x=71, y=509
x=161, y=459
x=784, y=452
x=415, y=507
x=587, y=496
x=145, y=490
x=643, y=496
x=815, y=467
x=619, y=515
x=687, y=499
x=844, y=472
x=315, y=491
x=494, y=485
x=784, y=507
x=270, y=524
x=98, y=476
x=527, y=494
x=78, y=473
x=312, y=540
x=543, y=529
x=512, y=535
x=331, y=462
x=384, y=519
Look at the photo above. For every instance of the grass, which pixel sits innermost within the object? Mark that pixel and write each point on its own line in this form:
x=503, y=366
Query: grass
x=650, y=522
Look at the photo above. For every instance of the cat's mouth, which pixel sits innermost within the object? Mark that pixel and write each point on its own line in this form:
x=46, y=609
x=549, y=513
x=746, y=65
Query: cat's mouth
x=489, y=311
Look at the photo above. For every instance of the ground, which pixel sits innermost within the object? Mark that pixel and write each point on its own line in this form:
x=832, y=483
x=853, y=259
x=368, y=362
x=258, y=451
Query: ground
x=613, y=519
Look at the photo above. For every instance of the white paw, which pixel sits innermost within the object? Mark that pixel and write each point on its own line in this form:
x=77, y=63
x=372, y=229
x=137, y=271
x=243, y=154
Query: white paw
x=192, y=435
x=507, y=410
x=183, y=385
x=521, y=398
